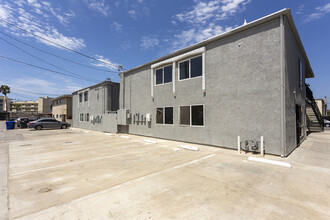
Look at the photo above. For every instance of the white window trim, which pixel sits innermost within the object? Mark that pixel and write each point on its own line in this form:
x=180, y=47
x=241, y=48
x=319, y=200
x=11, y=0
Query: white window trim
x=198, y=51
x=80, y=117
x=163, y=83
x=189, y=59
x=164, y=116
x=190, y=125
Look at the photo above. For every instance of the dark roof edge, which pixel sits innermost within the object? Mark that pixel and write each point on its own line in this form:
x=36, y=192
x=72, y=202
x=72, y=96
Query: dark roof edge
x=106, y=82
x=62, y=96
x=270, y=17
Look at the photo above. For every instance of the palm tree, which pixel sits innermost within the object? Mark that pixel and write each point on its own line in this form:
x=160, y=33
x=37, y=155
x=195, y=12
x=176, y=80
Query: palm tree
x=4, y=89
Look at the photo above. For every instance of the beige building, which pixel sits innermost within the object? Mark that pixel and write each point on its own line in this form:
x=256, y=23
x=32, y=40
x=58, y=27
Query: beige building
x=62, y=108
x=24, y=106
x=322, y=105
x=45, y=105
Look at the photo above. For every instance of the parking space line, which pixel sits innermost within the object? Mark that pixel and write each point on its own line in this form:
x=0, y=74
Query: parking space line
x=64, y=165
x=136, y=180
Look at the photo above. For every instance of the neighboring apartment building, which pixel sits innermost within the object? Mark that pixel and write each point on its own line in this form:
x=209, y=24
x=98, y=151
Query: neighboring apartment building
x=62, y=108
x=322, y=105
x=4, y=107
x=30, y=107
x=95, y=107
x=247, y=82
x=45, y=105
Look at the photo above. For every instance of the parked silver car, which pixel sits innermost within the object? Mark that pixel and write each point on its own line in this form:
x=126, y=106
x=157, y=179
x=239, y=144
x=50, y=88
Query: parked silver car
x=326, y=123
x=48, y=123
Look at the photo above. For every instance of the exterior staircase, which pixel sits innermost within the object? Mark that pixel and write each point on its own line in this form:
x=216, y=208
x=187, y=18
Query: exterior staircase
x=314, y=117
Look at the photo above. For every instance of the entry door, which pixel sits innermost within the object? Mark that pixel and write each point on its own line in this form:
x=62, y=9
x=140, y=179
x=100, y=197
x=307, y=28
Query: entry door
x=298, y=123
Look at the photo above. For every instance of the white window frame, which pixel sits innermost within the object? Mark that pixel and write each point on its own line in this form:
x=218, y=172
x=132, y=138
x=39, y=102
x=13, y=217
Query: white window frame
x=80, y=117
x=163, y=83
x=190, y=58
x=86, y=118
x=164, y=116
x=301, y=73
x=190, y=124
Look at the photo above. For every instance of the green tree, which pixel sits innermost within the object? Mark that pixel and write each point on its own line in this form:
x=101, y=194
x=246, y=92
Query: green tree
x=328, y=112
x=4, y=89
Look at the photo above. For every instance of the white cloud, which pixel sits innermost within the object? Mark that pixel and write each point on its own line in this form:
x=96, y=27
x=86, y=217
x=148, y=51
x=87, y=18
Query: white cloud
x=319, y=12
x=149, y=42
x=44, y=86
x=300, y=9
x=110, y=65
x=132, y=13
x=203, y=19
x=117, y=26
x=189, y=37
x=99, y=6
x=202, y=12
x=34, y=21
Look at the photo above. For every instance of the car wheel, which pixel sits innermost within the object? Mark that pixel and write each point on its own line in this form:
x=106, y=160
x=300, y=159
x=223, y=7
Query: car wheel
x=63, y=127
x=39, y=127
x=327, y=125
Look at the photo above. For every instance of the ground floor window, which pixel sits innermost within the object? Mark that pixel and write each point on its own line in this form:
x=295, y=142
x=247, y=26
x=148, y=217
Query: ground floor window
x=81, y=117
x=87, y=117
x=164, y=115
x=192, y=115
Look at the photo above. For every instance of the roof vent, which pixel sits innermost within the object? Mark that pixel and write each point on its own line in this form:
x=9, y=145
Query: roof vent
x=245, y=23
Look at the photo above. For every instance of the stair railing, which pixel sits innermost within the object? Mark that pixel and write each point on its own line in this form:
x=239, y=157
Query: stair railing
x=310, y=99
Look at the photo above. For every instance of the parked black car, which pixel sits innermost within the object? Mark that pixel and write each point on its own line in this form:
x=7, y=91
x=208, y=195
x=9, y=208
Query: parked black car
x=48, y=123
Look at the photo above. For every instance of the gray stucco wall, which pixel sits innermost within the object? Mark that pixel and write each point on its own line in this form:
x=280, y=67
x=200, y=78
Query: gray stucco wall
x=242, y=93
x=294, y=95
x=101, y=102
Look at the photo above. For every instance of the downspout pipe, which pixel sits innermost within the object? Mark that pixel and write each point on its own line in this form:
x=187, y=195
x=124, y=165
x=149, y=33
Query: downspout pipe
x=282, y=76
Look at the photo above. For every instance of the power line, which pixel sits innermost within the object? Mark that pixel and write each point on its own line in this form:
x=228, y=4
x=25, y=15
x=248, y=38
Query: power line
x=45, y=60
x=49, y=70
x=63, y=58
x=69, y=49
x=37, y=93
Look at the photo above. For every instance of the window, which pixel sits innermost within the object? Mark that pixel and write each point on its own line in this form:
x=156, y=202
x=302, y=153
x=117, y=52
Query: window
x=81, y=117
x=80, y=97
x=300, y=72
x=159, y=76
x=57, y=116
x=160, y=116
x=164, y=115
x=197, y=115
x=191, y=68
x=168, y=115
x=87, y=117
x=184, y=115
x=192, y=115
x=164, y=75
x=86, y=96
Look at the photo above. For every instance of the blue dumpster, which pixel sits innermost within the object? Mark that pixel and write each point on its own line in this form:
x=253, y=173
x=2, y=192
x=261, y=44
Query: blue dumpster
x=10, y=125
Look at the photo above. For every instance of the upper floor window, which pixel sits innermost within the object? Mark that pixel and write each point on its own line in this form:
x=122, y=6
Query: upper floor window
x=191, y=68
x=164, y=75
x=80, y=97
x=85, y=96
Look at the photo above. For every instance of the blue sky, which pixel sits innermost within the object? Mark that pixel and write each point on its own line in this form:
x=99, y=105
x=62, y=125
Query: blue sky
x=131, y=33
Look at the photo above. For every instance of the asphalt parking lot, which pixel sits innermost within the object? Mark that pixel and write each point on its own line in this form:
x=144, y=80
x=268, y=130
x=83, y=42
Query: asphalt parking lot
x=76, y=174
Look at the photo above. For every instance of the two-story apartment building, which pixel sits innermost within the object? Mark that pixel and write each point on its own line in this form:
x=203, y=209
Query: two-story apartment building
x=247, y=82
x=95, y=107
x=62, y=108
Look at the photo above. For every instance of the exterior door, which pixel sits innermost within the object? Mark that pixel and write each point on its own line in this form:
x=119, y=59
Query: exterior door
x=298, y=123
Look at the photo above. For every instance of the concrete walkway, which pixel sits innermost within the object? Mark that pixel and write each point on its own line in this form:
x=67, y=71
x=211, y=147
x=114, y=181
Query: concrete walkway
x=72, y=174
